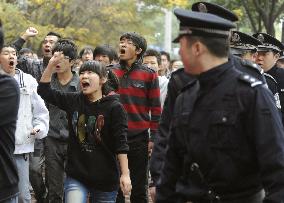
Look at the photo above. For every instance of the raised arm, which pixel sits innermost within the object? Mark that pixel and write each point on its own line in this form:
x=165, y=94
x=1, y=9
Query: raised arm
x=67, y=101
x=30, y=32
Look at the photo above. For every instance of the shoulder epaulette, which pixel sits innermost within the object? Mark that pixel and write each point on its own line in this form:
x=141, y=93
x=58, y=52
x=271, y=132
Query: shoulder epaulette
x=250, y=64
x=270, y=77
x=253, y=82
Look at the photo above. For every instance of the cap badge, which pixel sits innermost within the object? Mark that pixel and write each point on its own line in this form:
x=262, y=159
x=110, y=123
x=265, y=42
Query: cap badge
x=260, y=37
x=236, y=38
x=202, y=8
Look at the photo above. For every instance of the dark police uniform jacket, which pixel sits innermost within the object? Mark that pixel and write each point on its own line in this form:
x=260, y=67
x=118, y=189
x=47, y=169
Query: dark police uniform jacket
x=177, y=81
x=228, y=125
x=273, y=87
x=278, y=75
x=248, y=67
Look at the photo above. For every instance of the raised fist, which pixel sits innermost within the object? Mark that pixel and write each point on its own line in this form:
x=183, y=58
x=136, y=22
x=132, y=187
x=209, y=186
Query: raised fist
x=30, y=32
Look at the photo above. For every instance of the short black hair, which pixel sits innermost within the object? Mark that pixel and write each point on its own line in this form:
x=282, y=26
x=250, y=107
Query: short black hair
x=102, y=71
x=167, y=54
x=115, y=55
x=86, y=49
x=25, y=50
x=106, y=50
x=217, y=46
x=54, y=34
x=138, y=40
x=153, y=52
x=10, y=45
x=68, y=48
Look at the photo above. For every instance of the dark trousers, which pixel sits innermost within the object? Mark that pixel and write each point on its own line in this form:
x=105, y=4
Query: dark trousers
x=55, y=160
x=138, y=167
x=36, y=174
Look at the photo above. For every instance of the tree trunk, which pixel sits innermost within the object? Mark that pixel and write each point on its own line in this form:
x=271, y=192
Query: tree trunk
x=282, y=38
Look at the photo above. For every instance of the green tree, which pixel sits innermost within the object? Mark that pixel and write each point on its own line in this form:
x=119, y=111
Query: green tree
x=256, y=15
x=88, y=22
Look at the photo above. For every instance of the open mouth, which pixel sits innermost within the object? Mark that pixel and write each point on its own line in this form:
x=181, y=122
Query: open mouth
x=47, y=50
x=122, y=51
x=85, y=84
x=11, y=63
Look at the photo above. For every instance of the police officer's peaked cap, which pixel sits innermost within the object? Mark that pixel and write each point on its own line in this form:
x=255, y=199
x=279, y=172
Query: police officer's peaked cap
x=240, y=42
x=281, y=55
x=202, y=24
x=268, y=42
x=215, y=9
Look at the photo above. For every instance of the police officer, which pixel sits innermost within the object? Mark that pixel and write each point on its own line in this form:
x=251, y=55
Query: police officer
x=178, y=80
x=227, y=139
x=268, y=54
x=280, y=62
x=244, y=65
x=245, y=47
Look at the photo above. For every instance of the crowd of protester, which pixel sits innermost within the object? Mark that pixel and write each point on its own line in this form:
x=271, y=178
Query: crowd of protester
x=99, y=124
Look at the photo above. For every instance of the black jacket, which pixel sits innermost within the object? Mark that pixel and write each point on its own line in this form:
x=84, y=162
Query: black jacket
x=229, y=126
x=177, y=81
x=92, y=152
x=278, y=75
x=9, y=105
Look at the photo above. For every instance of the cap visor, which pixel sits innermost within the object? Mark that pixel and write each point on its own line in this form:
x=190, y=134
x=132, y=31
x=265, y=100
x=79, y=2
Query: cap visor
x=235, y=51
x=176, y=40
x=263, y=49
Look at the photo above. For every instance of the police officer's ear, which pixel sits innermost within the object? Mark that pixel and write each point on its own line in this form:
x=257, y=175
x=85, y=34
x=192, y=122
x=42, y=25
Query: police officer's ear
x=138, y=51
x=276, y=56
x=198, y=48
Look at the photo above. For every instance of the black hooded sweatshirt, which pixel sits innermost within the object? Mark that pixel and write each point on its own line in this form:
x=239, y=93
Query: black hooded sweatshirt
x=97, y=134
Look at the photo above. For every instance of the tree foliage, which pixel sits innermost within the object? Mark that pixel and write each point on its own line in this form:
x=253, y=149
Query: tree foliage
x=168, y=3
x=256, y=15
x=93, y=22
x=88, y=22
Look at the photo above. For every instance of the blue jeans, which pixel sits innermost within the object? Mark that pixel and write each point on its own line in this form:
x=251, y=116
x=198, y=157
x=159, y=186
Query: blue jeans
x=22, y=162
x=76, y=192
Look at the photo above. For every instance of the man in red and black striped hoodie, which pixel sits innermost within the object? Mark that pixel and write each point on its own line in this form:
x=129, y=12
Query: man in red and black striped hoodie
x=140, y=95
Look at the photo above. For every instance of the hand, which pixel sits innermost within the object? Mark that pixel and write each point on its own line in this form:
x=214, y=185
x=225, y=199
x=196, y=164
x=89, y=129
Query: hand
x=152, y=191
x=125, y=184
x=55, y=60
x=34, y=131
x=150, y=147
x=30, y=32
